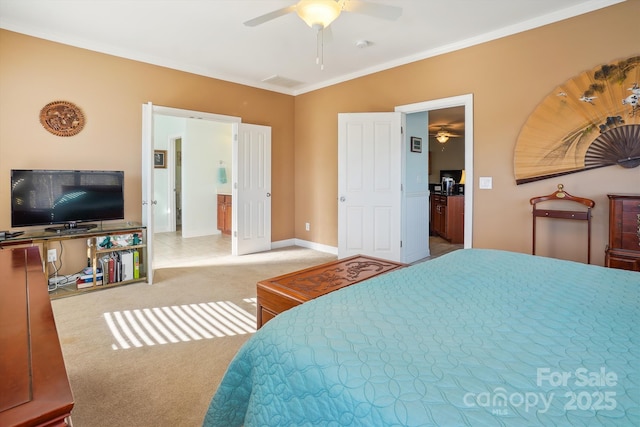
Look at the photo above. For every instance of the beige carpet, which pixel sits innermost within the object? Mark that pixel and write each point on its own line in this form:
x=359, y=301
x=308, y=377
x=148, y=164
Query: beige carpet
x=164, y=384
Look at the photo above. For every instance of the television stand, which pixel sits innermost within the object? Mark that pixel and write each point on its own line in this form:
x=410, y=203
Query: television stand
x=124, y=248
x=71, y=228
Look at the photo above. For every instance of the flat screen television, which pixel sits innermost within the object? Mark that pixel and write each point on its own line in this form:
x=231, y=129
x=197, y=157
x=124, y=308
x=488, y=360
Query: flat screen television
x=66, y=197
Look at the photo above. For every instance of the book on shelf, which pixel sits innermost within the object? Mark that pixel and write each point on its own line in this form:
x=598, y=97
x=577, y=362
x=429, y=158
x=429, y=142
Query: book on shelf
x=85, y=278
x=126, y=260
x=109, y=265
x=88, y=284
x=121, y=265
x=136, y=264
x=104, y=265
x=89, y=277
x=118, y=263
x=112, y=270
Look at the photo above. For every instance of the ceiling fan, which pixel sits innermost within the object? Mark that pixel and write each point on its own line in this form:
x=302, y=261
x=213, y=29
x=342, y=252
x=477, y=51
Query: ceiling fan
x=318, y=14
x=442, y=135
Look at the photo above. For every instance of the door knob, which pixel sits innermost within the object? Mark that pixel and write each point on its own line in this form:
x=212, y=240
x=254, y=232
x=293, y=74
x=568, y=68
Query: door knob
x=343, y=199
x=268, y=194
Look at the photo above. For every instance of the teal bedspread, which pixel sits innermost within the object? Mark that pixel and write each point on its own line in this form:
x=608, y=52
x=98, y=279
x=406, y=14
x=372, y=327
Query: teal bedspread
x=473, y=338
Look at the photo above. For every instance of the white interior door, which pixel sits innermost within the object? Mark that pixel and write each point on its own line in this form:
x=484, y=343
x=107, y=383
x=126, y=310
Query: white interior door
x=369, y=184
x=251, y=192
x=147, y=185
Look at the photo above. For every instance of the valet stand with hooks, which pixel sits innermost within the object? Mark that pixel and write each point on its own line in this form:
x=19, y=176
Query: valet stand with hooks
x=562, y=195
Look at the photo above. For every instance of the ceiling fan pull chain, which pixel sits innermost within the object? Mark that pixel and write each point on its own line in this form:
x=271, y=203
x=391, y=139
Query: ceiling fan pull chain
x=318, y=47
x=322, y=49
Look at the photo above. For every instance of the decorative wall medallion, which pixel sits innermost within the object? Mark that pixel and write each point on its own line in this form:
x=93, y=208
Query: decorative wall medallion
x=590, y=121
x=62, y=118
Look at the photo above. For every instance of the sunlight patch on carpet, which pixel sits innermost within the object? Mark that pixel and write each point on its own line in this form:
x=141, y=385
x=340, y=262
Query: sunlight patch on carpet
x=179, y=323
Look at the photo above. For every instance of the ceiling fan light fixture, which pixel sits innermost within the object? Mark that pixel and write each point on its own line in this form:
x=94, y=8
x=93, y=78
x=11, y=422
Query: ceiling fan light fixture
x=442, y=137
x=318, y=13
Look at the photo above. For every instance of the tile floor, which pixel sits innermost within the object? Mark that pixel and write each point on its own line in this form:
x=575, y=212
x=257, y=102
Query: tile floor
x=171, y=250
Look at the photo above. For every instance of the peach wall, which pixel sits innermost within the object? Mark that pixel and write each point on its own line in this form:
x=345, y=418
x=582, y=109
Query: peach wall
x=508, y=78
x=110, y=91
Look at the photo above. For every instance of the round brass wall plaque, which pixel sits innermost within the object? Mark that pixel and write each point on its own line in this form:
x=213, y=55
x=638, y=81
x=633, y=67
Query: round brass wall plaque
x=62, y=118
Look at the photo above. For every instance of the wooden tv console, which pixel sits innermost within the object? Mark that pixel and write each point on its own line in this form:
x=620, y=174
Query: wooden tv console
x=94, y=237
x=34, y=390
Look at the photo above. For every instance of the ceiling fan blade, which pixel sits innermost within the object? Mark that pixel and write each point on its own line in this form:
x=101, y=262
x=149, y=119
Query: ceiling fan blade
x=382, y=11
x=442, y=130
x=269, y=16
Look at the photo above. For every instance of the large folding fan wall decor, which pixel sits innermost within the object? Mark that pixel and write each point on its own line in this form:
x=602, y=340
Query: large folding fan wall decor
x=590, y=121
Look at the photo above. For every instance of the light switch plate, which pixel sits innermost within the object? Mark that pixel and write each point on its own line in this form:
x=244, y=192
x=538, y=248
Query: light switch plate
x=486, y=183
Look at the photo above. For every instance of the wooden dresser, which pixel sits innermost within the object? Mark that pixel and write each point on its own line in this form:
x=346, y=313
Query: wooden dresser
x=281, y=293
x=623, y=250
x=447, y=217
x=34, y=388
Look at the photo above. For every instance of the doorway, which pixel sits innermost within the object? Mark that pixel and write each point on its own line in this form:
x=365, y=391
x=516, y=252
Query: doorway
x=372, y=228
x=465, y=101
x=446, y=160
x=254, y=206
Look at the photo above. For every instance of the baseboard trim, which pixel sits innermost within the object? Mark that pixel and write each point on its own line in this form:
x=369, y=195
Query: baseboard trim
x=305, y=244
x=283, y=243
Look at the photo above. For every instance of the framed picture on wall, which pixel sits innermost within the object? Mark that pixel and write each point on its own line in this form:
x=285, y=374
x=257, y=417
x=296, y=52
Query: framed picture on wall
x=160, y=159
x=416, y=144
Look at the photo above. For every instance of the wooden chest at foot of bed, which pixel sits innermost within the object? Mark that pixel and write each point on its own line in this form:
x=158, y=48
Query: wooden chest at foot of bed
x=281, y=293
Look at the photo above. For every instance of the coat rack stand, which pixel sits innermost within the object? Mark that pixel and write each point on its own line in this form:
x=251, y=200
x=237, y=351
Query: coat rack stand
x=562, y=195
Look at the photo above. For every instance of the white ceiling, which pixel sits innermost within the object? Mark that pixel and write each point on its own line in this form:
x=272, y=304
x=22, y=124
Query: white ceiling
x=207, y=37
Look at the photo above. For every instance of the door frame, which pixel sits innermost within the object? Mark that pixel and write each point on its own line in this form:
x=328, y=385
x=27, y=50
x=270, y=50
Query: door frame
x=147, y=164
x=171, y=197
x=186, y=114
x=465, y=101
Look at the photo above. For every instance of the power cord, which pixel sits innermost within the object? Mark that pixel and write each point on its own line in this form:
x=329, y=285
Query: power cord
x=56, y=282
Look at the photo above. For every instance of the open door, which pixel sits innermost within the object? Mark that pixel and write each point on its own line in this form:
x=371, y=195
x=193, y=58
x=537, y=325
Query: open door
x=147, y=185
x=251, y=192
x=251, y=175
x=369, y=184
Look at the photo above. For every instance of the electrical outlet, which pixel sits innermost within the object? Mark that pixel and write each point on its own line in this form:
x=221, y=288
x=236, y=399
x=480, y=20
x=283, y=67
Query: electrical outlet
x=51, y=255
x=307, y=226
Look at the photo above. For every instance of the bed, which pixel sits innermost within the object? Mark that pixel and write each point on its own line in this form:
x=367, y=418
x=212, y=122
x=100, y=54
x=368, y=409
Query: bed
x=473, y=338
